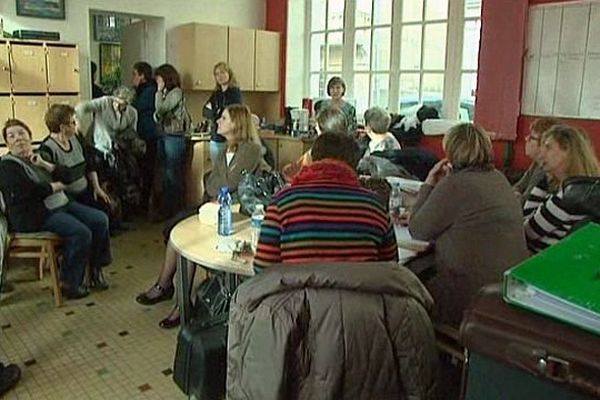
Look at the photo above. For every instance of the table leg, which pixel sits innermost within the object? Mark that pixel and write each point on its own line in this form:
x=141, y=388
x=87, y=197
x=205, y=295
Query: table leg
x=183, y=289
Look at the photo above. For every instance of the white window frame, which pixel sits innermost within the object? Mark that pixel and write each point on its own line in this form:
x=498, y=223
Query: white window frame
x=454, y=48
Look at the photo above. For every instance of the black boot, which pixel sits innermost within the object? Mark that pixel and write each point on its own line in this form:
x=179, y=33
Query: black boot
x=97, y=281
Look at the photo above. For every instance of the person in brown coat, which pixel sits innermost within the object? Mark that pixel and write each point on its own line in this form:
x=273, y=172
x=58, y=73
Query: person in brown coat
x=468, y=209
x=331, y=331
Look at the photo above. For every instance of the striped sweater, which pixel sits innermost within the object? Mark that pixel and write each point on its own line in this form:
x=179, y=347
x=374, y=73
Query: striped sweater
x=546, y=220
x=325, y=216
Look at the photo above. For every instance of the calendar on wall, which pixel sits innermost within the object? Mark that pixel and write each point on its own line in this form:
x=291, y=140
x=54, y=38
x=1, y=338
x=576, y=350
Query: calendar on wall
x=561, y=74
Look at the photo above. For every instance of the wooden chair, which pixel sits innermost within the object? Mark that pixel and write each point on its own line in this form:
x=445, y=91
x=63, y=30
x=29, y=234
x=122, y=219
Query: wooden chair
x=42, y=246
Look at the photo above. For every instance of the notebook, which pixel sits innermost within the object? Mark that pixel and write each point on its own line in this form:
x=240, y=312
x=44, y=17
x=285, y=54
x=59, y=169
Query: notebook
x=563, y=281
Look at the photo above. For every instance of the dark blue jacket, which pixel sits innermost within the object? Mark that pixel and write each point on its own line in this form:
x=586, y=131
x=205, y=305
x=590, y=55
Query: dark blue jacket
x=218, y=101
x=144, y=104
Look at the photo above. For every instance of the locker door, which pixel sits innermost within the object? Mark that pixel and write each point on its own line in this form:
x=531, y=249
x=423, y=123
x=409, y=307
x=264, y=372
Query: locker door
x=71, y=100
x=63, y=69
x=31, y=110
x=28, y=68
x=5, y=110
x=4, y=69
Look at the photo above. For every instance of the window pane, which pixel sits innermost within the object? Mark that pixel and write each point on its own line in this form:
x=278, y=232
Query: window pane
x=335, y=14
x=315, y=86
x=363, y=13
x=380, y=90
x=381, y=49
x=317, y=52
x=410, y=52
x=435, y=46
x=471, y=44
x=472, y=8
x=436, y=9
x=317, y=15
x=361, y=92
x=362, y=50
x=334, y=53
x=383, y=12
x=412, y=10
x=409, y=92
x=468, y=86
x=433, y=90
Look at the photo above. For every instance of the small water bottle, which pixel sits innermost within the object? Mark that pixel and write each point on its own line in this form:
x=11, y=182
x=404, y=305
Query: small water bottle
x=256, y=220
x=224, y=225
x=395, y=204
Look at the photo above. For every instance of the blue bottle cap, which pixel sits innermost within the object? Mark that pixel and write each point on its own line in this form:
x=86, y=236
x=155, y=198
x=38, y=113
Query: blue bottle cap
x=224, y=190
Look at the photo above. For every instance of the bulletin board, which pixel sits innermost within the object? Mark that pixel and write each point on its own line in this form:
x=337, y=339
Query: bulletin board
x=561, y=74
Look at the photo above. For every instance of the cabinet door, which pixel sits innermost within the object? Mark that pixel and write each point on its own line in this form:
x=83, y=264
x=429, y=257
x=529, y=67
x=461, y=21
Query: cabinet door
x=31, y=110
x=195, y=172
x=266, y=75
x=210, y=47
x=4, y=69
x=290, y=150
x=5, y=110
x=28, y=68
x=70, y=100
x=63, y=69
x=241, y=56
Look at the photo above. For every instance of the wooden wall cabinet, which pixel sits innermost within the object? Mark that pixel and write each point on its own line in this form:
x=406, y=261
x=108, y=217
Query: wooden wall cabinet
x=4, y=68
x=6, y=108
x=63, y=69
x=241, y=56
x=28, y=68
x=31, y=110
x=194, y=49
x=266, y=62
x=70, y=100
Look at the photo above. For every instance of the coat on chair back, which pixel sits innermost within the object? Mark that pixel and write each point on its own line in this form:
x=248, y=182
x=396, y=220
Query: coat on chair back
x=338, y=331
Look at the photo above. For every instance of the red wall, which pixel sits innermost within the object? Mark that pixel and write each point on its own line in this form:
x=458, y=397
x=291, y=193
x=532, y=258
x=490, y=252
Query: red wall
x=276, y=20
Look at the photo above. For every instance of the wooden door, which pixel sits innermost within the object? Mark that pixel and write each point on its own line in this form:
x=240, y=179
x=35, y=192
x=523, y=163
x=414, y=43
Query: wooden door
x=31, y=110
x=241, y=56
x=70, y=100
x=210, y=47
x=63, y=69
x=266, y=70
x=290, y=150
x=4, y=69
x=28, y=68
x=6, y=111
x=133, y=48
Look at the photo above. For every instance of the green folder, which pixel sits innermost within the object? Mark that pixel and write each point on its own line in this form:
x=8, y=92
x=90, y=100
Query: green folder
x=563, y=281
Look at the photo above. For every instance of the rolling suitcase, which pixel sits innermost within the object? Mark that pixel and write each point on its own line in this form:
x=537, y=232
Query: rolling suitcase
x=516, y=354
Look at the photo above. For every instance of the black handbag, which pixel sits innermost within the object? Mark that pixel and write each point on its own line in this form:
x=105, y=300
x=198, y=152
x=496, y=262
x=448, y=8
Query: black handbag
x=258, y=188
x=212, y=301
x=581, y=195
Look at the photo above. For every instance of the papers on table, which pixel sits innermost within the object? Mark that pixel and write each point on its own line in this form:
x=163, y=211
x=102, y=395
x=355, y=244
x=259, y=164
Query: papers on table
x=407, y=246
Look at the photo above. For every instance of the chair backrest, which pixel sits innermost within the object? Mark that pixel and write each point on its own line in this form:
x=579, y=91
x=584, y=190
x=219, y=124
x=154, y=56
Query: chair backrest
x=581, y=195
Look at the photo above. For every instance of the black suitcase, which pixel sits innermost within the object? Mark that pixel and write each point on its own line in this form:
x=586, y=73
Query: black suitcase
x=200, y=366
x=519, y=355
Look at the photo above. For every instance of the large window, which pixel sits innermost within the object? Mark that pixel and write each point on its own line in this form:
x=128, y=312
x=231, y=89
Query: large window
x=397, y=54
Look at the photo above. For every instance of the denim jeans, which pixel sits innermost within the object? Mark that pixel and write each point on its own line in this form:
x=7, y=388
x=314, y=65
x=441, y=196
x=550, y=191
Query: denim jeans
x=172, y=158
x=214, y=149
x=79, y=226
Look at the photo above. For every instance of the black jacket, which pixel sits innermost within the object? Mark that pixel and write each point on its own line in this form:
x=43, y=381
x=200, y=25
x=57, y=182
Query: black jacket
x=218, y=101
x=144, y=104
x=416, y=160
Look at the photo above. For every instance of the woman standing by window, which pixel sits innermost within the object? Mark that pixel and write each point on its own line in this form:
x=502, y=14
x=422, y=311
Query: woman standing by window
x=174, y=124
x=226, y=93
x=336, y=89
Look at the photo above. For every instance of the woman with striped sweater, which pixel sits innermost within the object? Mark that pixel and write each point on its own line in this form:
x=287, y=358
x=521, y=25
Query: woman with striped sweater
x=565, y=152
x=326, y=215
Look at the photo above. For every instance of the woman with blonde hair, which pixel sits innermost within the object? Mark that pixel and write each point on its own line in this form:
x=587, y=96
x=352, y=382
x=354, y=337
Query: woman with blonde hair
x=468, y=209
x=242, y=153
x=565, y=152
x=226, y=93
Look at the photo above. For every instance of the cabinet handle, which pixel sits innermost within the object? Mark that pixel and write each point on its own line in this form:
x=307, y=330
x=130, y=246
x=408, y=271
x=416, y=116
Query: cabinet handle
x=76, y=70
x=4, y=68
x=198, y=82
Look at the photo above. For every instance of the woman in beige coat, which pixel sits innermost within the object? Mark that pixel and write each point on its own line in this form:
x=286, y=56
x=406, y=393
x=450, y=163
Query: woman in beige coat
x=468, y=209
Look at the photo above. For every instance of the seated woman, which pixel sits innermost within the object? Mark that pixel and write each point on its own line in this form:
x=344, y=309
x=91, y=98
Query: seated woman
x=565, y=152
x=242, y=153
x=35, y=202
x=326, y=215
x=377, y=123
x=469, y=210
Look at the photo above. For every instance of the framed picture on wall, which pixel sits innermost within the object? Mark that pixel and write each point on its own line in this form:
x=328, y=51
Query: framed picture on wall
x=54, y=9
x=110, y=65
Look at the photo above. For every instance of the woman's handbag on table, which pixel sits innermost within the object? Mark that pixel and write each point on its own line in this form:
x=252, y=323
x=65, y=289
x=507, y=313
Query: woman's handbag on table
x=258, y=188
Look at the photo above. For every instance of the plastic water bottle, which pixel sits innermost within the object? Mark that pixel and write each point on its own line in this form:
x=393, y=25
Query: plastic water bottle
x=256, y=220
x=224, y=225
x=395, y=204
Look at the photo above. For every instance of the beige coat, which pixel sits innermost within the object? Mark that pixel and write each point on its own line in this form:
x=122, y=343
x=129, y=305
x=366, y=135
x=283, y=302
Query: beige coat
x=339, y=331
x=476, y=222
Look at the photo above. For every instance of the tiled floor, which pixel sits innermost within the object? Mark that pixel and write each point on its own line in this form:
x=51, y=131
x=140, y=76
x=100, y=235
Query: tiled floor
x=105, y=346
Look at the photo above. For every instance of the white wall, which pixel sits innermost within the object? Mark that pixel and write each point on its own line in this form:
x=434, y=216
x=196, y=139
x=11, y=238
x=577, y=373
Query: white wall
x=295, y=69
x=76, y=27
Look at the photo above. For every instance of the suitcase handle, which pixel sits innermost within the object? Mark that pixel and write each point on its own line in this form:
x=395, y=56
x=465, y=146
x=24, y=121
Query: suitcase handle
x=538, y=362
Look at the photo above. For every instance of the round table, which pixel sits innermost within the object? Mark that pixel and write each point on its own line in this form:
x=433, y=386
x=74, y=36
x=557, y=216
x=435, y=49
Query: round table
x=196, y=243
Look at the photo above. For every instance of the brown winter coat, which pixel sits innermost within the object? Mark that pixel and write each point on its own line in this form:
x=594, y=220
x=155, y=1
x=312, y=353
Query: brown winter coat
x=338, y=331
